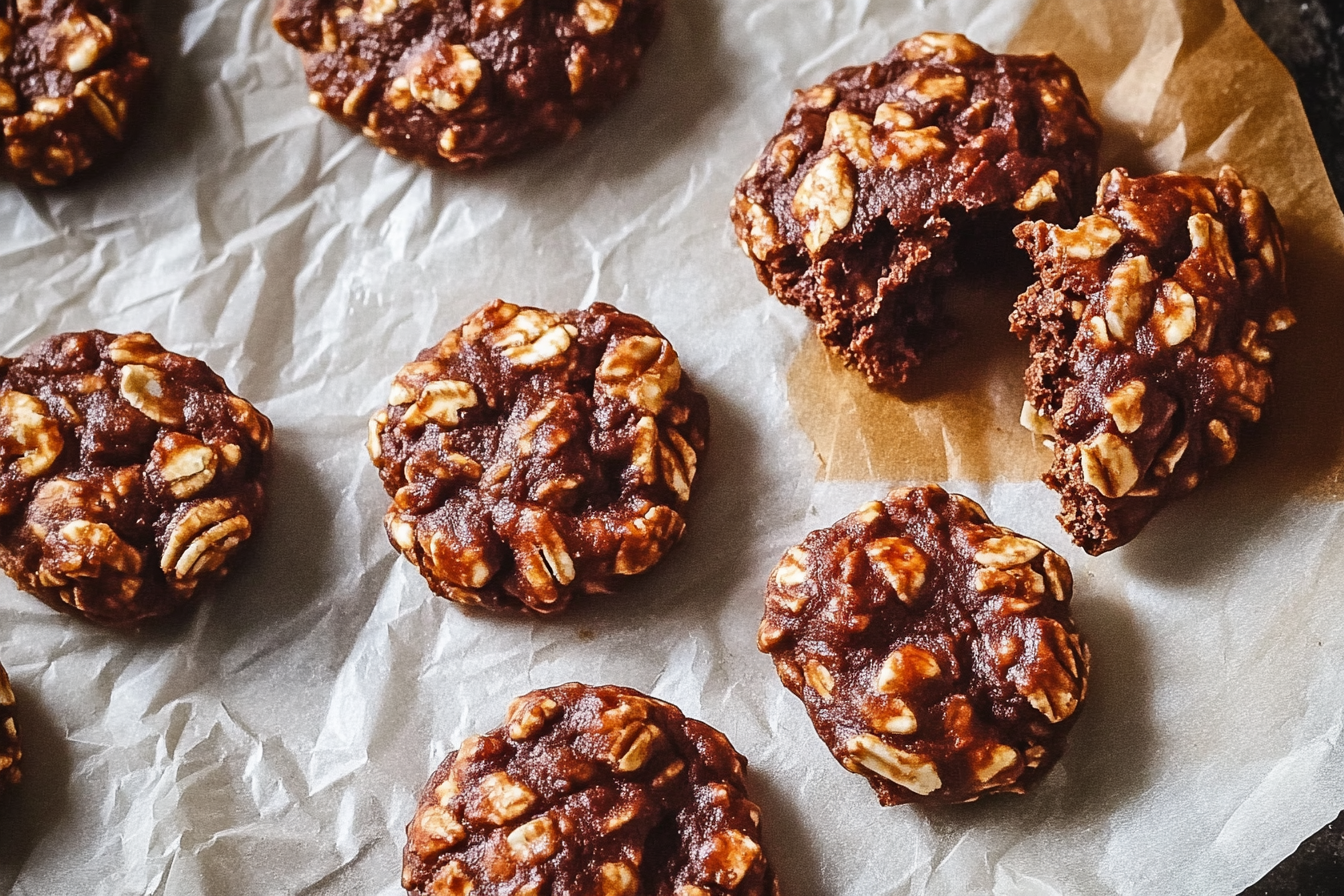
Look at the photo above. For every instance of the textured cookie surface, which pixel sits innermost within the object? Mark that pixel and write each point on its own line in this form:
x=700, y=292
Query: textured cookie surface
x=934, y=651
x=10, y=751
x=531, y=456
x=854, y=209
x=72, y=82
x=461, y=82
x=129, y=475
x=1148, y=335
x=589, y=791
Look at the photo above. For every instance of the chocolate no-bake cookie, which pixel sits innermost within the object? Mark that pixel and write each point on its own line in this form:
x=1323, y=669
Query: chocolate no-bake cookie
x=531, y=456
x=933, y=650
x=72, y=80
x=588, y=791
x=461, y=82
x=10, y=751
x=1147, y=332
x=129, y=475
x=854, y=209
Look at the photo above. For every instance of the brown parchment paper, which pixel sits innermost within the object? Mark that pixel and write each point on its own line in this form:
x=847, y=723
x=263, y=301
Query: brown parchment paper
x=1191, y=89
x=273, y=740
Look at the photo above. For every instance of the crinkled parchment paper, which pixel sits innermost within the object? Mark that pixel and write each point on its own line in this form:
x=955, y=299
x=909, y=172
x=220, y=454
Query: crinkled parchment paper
x=272, y=741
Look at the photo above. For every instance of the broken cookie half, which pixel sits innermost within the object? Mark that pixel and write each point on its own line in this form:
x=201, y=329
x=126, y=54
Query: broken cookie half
x=854, y=210
x=1150, y=331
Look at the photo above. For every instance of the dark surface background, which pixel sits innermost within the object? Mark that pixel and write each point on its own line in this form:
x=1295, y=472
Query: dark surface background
x=1309, y=38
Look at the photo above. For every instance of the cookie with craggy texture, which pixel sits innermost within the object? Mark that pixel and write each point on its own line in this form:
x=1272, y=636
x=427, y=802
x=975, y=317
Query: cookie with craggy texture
x=533, y=456
x=460, y=83
x=935, y=651
x=1151, y=331
x=854, y=210
x=130, y=476
x=589, y=790
x=73, y=81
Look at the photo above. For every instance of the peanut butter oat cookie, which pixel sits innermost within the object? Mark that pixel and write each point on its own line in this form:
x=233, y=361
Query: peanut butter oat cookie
x=129, y=475
x=933, y=650
x=854, y=209
x=1149, y=346
x=10, y=751
x=531, y=456
x=72, y=80
x=589, y=791
x=458, y=83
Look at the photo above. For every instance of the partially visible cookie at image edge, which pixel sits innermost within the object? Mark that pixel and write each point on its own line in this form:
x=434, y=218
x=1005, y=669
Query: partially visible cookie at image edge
x=1151, y=331
x=459, y=83
x=589, y=791
x=855, y=208
x=10, y=751
x=129, y=475
x=73, y=81
x=532, y=456
x=935, y=652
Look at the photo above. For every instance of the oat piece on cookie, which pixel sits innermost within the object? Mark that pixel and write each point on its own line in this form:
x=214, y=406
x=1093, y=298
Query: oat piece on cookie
x=10, y=750
x=589, y=791
x=933, y=650
x=854, y=210
x=129, y=475
x=532, y=456
x=459, y=83
x=1148, y=332
x=72, y=82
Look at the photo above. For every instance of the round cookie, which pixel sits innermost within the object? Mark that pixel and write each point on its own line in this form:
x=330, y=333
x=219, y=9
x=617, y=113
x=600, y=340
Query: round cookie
x=459, y=83
x=933, y=650
x=1152, y=329
x=72, y=81
x=854, y=210
x=10, y=751
x=589, y=790
x=531, y=456
x=129, y=475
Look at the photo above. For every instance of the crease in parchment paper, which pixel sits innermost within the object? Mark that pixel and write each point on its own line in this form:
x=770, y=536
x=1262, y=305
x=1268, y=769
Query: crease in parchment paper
x=274, y=739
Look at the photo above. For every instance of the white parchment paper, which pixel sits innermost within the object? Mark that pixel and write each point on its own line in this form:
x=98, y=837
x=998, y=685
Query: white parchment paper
x=272, y=741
